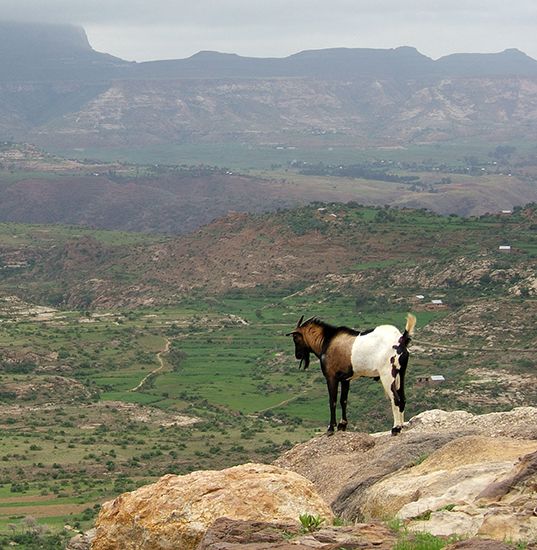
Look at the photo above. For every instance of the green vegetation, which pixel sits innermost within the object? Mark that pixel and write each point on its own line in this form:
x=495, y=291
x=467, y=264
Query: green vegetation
x=421, y=541
x=417, y=540
x=310, y=523
x=326, y=149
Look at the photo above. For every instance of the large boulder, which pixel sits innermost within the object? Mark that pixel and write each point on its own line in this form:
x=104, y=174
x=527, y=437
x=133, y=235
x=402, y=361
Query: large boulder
x=176, y=511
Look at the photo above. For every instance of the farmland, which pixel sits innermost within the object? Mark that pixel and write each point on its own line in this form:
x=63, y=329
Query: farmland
x=230, y=392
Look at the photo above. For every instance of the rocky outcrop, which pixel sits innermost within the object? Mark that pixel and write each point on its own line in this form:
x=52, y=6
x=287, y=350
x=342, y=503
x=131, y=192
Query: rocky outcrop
x=448, y=473
x=176, y=511
x=504, y=510
x=343, y=477
x=457, y=472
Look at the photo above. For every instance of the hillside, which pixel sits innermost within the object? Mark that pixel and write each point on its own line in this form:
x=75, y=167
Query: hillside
x=56, y=91
x=38, y=187
x=290, y=248
x=297, y=111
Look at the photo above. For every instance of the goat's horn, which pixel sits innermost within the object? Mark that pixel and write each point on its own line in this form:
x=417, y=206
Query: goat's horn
x=300, y=321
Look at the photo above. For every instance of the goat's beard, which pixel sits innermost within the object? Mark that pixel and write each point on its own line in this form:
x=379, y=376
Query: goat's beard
x=305, y=360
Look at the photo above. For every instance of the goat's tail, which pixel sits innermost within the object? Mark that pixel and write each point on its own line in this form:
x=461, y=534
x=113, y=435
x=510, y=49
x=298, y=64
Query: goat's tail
x=409, y=331
x=410, y=324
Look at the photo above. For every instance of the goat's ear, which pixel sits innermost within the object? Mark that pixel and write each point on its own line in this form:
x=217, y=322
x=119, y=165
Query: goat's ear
x=300, y=321
x=291, y=333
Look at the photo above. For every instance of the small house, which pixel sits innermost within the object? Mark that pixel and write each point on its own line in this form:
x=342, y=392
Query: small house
x=506, y=248
x=433, y=379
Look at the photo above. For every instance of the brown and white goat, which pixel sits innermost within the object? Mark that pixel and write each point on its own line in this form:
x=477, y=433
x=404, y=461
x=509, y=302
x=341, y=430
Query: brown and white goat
x=345, y=354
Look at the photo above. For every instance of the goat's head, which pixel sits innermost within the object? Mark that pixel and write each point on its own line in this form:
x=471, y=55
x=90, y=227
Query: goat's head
x=302, y=349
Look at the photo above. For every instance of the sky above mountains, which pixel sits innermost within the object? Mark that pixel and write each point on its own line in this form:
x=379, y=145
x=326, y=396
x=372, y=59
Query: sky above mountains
x=143, y=30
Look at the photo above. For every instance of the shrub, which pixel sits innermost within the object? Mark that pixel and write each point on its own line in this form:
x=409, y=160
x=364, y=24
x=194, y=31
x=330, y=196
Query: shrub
x=310, y=523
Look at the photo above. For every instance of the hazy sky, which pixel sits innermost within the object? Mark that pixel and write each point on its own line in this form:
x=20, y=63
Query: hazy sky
x=166, y=29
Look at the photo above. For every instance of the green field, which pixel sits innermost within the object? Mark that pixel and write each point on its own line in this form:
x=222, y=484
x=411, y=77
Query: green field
x=249, y=156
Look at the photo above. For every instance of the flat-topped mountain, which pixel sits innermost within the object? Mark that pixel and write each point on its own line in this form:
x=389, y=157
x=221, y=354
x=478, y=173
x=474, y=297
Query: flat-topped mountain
x=333, y=63
x=35, y=52
x=55, y=90
x=403, y=63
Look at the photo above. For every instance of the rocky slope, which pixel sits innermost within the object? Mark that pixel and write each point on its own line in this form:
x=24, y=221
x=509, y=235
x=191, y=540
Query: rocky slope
x=447, y=473
x=296, y=111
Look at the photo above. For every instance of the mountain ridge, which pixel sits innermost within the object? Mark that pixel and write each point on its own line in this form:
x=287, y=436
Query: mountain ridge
x=68, y=44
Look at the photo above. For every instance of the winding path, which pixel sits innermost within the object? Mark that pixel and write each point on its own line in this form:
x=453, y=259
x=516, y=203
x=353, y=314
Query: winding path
x=158, y=369
x=304, y=392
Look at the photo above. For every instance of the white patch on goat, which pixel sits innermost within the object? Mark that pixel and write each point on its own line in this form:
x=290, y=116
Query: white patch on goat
x=371, y=352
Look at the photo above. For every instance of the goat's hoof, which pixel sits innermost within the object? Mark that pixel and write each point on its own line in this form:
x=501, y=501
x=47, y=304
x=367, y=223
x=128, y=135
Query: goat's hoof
x=342, y=426
x=330, y=430
x=396, y=430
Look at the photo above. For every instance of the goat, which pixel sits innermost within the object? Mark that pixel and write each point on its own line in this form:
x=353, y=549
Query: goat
x=346, y=354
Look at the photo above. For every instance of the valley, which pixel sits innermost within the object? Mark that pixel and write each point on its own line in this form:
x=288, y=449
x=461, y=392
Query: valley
x=166, y=194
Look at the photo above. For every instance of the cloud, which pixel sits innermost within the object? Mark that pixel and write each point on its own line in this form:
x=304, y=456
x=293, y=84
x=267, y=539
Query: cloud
x=255, y=12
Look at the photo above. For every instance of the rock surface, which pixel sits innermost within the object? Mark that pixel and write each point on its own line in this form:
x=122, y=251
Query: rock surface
x=447, y=473
x=342, y=478
x=504, y=510
x=519, y=423
x=479, y=544
x=227, y=534
x=176, y=511
x=454, y=474
x=81, y=541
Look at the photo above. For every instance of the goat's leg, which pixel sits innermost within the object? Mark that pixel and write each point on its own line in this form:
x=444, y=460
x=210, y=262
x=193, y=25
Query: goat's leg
x=332, y=384
x=389, y=383
x=403, y=362
x=345, y=385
